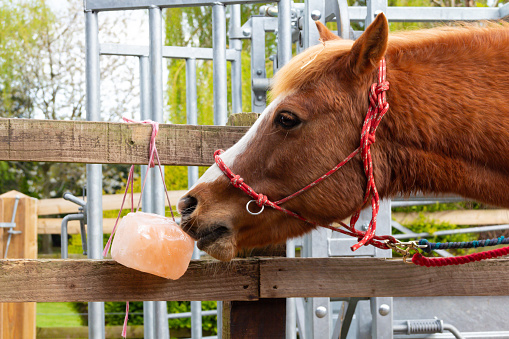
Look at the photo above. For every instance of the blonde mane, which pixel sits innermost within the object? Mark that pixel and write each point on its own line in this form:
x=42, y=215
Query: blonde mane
x=294, y=75
x=317, y=60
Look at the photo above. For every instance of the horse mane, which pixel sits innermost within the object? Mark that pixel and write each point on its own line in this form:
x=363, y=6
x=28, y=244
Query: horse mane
x=310, y=64
x=320, y=59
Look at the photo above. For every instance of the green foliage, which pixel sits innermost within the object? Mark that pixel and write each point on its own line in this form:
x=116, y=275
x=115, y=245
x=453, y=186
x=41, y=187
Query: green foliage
x=39, y=74
x=460, y=205
x=24, y=26
x=423, y=224
x=7, y=178
x=74, y=244
x=175, y=178
x=44, y=180
x=115, y=313
x=209, y=323
x=41, y=179
x=193, y=27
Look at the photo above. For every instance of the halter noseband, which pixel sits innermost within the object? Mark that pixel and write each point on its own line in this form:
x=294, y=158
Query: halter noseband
x=378, y=106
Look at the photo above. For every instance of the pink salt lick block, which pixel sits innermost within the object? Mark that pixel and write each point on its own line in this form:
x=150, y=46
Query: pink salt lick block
x=152, y=243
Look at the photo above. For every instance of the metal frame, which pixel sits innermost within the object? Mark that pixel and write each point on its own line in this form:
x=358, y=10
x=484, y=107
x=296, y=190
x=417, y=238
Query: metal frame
x=259, y=82
x=192, y=177
x=82, y=217
x=175, y=52
x=236, y=64
x=291, y=23
x=219, y=64
x=94, y=171
x=146, y=203
x=122, y=5
x=433, y=14
x=150, y=61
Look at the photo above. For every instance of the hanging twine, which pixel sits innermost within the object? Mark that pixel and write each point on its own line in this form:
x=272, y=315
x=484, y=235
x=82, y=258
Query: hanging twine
x=130, y=182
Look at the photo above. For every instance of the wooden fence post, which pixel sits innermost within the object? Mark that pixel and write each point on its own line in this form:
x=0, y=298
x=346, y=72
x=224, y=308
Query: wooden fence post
x=265, y=318
x=17, y=320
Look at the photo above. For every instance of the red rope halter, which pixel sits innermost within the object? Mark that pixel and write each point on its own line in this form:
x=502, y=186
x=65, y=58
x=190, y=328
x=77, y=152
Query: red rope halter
x=378, y=106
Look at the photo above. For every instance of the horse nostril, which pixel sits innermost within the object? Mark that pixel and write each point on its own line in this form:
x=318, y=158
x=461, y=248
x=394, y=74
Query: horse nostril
x=187, y=205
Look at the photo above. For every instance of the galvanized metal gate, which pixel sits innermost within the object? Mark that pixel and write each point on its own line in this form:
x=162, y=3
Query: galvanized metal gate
x=293, y=23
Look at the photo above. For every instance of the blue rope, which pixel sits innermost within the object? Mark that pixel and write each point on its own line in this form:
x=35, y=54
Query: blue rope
x=431, y=246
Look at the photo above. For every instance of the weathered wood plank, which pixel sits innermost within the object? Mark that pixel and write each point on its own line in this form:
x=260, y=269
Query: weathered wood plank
x=106, y=280
x=19, y=318
x=247, y=279
x=107, y=142
x=458, y=217
x=54, y=226
x=363, y=277
x=110, y=202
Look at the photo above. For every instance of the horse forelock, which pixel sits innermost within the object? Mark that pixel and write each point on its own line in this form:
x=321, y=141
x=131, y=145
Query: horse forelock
x=308, y=66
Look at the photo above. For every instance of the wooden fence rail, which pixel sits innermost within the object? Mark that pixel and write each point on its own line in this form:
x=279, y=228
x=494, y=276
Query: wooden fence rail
x=247, y=279
x=109, y=202
x=94, y=280
x=111, y=143
x=458, y=217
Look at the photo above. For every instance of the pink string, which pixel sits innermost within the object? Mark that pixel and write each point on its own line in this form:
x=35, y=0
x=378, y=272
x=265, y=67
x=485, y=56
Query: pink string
x=152, y=152
x=130, y=181
x=155, y=130
x=124, y=328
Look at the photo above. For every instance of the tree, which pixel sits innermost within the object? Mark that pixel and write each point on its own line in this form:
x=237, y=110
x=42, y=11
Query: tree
x=42, y=75
x=22, y=26
x=192, y=26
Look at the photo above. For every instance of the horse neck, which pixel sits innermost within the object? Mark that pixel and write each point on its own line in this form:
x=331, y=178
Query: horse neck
x=447, y=130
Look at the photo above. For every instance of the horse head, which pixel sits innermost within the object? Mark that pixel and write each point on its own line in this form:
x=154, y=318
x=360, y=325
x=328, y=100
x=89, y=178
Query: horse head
x=314, y=121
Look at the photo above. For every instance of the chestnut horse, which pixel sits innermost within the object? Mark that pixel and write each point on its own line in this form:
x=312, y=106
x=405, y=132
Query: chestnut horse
x=447, y=131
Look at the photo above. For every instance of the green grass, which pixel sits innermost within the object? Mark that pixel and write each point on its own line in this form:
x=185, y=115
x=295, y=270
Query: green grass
x=57, y=315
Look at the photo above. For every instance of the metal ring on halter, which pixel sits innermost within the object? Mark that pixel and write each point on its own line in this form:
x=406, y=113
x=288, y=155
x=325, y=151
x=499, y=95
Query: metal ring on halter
x=253, y=213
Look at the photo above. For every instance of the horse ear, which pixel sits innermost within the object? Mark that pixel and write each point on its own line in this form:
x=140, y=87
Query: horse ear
x=325, y=33
x=370, y=47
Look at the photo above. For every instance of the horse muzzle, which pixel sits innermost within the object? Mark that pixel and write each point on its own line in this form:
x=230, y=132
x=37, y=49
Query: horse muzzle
x=214, y=238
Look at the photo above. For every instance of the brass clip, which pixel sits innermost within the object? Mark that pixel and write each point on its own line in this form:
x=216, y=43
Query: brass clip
x=404, y=248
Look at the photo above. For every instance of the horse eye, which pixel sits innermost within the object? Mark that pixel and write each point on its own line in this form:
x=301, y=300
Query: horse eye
x=287, y=120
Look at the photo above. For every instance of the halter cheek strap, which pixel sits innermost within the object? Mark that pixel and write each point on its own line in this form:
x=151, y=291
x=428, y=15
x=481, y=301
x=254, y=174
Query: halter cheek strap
x=378, y=106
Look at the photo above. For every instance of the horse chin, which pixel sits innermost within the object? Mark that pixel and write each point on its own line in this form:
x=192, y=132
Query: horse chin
x=222, y=249
x=216, y=239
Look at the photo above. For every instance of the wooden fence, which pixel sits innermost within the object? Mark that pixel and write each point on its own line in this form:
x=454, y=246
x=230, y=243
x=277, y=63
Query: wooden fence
x=247, y=280
x=17, y=320
x=111, y=143
x=60, y=206
x=112, y=202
